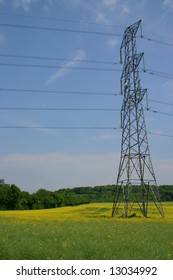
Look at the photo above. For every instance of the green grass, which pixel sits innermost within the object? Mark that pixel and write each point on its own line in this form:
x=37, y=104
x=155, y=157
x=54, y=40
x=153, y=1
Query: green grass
x=84, y=232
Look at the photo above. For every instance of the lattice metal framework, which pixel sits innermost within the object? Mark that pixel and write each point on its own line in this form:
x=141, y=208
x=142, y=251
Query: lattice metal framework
x=136, y=181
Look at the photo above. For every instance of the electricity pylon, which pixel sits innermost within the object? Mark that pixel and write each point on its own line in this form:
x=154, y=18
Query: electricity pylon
x=136, y=181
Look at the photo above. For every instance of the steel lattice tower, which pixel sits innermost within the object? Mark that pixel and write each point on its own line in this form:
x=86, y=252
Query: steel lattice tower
x=136, y=181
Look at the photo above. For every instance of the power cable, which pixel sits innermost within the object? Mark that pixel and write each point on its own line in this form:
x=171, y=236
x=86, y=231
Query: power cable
x=158, y=73
x=150, y=72
x=161, y=102
x=59, y=67
x=88, y=23
x=159, y=112
x=36, y=91
x=77, y=128
x=160, y=134
x=56, y=58
x=56, y=109
x=34, y=27
x=59, y=127
x=80, y=31
x=156, y=41
x=33, y=91
x=63, y=20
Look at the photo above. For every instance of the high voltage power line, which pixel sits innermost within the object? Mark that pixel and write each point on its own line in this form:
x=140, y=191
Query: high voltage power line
x=74, y=109
x=61, y=127
x=61, y=19
x=59, y=67
x=147, y=71
x=76, y=128
x=84, y=22
x=56, y=109
x=88, y=23
x=161, y=102
x=56, y=59
x=34, y=27
x=33, y=91
x=160, y=134
x=157, y=41
x=159, y=112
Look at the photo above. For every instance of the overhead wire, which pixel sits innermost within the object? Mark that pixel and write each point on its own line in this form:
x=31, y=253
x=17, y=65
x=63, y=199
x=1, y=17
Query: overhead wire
x=60, y=127
x=158, y=73
x=161, y=102
x=160, y=134
x=33, y=91
x=58, y=67
x=63, y=20
x=160, y=112
x=87, y=23
x=156, y=41
x=147, y=71
x=56, y=109
x=37, y=91
x=34, y=27
x=76, y=128
x=56, y=59
x=151, y=72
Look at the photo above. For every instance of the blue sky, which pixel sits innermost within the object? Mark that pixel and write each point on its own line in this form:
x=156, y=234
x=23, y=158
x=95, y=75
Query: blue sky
x=46, y=158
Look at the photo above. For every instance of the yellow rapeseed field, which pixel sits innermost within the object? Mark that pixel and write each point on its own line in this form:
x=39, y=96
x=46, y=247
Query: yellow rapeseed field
x=87, y=212
x=86, y=232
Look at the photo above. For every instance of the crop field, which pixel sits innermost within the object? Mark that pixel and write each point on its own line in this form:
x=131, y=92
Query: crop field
x=85, y=232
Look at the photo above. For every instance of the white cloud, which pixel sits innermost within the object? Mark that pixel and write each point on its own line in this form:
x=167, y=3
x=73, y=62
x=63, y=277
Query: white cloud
x=168, y=84
x=76, y=60
x=110, y=3
x=105, y=137
x=112, y=42
x=163, y=171
x=168, y=4
x=57, y=170
x=101, y=18
x=24, y=4
x=47, y=5
x=11, y=118
x=125, y=9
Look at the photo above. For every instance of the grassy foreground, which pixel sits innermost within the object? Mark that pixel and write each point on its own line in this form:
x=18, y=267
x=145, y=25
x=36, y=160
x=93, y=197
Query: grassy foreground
x=85, y=232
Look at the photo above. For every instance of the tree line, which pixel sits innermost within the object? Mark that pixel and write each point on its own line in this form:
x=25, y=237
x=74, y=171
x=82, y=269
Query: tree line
x=12, y=198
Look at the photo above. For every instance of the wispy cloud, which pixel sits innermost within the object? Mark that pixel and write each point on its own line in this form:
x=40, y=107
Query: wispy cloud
x=57, y=170
x=125, y=9
x=105, y=137
x=101, y=18
x=110, y=3
x=13, y=120
x=24, y=4
x=76, y=59
x=168, y=4
x=112, y=42
x=168, y=85
x=47, y=5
